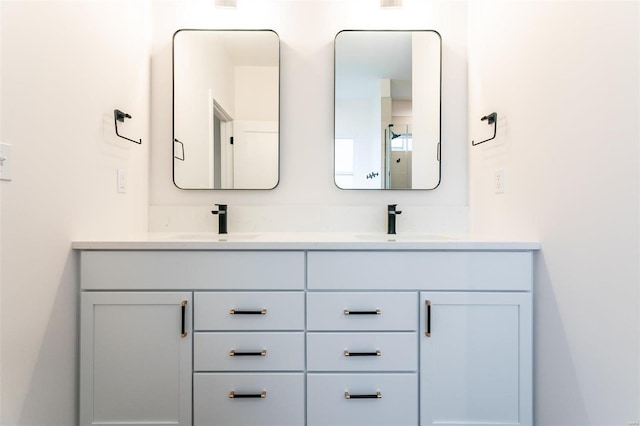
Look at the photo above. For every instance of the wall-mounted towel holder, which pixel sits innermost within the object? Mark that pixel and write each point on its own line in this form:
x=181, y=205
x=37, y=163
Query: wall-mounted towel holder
x=182, y=146
x=491, y=119
x=120, y=116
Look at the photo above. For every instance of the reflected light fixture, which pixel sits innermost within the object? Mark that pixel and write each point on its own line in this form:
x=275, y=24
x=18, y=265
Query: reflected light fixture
x=390, y=3
x=226, y=3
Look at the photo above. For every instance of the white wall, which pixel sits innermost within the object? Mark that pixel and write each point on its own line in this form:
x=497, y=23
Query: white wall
x=306, y=198
x=256, y=93
x=564, y=80
x=65, y=67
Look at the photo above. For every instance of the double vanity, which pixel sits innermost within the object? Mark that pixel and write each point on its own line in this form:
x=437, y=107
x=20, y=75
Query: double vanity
x=306, y=329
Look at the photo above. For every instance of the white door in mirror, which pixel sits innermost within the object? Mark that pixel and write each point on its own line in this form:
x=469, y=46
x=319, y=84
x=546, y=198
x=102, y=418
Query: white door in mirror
x=5, y=161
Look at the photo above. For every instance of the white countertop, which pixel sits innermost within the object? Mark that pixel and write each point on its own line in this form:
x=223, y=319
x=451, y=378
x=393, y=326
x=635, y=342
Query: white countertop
x=303, y=241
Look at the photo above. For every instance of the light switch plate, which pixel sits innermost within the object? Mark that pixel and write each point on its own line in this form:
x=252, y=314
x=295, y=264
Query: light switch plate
x=500, y=181
x=122, y=181
x=6, y=160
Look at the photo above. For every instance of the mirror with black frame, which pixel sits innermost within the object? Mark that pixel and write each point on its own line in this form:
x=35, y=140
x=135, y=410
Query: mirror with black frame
x=387, y=109
x=226, y=107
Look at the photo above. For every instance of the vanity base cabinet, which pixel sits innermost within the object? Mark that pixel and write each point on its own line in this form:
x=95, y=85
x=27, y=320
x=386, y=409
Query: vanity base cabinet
x=248, y=399
x=135, y=354
x=475, y=358
x=331, y=337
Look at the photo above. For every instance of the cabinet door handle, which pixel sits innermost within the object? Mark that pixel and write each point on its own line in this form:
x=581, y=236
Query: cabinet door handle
x=183, y=309
x=376, y=353
x=233, y=352
x=261, y=395
x=376, y=395
x=240, y=312
x=427, y=331
x=376, y=312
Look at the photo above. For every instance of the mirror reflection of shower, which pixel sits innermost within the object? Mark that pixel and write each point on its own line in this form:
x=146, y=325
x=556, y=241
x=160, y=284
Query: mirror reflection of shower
x=398, y=157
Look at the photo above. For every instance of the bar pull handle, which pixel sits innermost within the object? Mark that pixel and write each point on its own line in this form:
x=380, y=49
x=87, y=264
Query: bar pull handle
x=377, y=395
x=241, y=312
x=261, y=395
x=427, y=331
x=183, y=309
x=376, y=353
x=258, y=353
x=376, y=312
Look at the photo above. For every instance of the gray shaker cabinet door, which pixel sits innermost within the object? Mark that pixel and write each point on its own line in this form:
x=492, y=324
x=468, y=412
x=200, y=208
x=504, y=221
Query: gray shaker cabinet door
x=135, y=358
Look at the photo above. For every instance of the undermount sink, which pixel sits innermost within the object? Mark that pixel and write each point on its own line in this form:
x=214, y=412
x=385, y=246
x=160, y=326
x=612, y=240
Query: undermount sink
x=401, y=237
x=204, y=236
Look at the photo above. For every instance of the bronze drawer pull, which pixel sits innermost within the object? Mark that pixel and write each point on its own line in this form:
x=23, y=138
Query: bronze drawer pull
x=376, y=312
x=233, y=352
x=376, y=353
x=377, y=395
x=240, y=312
x=261, y=395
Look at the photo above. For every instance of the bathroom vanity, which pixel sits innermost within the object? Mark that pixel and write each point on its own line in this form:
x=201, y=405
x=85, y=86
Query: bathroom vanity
x=306, y=330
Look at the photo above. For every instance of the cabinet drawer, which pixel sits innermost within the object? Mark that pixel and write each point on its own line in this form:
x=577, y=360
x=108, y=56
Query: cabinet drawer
x=248, y=351
x=248, y=311
x=327, y=402
x=362, y=311
x=362, y=352
x=281, y=404
x=192, y=270
x=413, y=270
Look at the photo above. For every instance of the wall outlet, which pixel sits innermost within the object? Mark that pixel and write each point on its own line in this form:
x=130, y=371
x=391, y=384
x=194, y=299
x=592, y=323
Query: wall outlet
x=122, y=181
x=499, y=181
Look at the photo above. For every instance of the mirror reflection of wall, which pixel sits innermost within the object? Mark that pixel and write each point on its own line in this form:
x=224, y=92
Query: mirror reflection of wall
x=226, y=87
x=387, y=109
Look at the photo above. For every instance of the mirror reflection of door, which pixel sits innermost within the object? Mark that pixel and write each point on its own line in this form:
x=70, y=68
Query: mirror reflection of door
x=221, y=159
x=255, y=149
x=224, y=81
x=243, y=152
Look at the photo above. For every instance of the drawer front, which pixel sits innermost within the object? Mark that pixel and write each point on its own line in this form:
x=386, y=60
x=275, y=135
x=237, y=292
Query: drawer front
x=328, y=405
x=362, y=352
x=192, y=270
x=362, y=311
x=432, y=270
x=282, y=404
x=248, y=311
x=248, y=351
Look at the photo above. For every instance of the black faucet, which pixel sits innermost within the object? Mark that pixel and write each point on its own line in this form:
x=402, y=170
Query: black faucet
x=222, y=218
x=391, y=218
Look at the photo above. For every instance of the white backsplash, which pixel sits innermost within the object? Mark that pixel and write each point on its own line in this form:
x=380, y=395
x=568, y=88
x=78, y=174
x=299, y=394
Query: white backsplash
x=309, y=218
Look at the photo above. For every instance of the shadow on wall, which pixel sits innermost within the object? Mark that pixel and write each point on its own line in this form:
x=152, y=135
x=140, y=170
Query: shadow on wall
x=52, y=397
x=560, y=401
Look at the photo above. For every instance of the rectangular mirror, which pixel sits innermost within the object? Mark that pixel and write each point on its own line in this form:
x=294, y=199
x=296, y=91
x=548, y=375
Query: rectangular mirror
x=226, y=103
x=387, y=109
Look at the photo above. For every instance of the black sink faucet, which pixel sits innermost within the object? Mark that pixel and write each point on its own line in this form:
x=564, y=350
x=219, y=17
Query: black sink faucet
x=391, y=218
x=222, y=218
